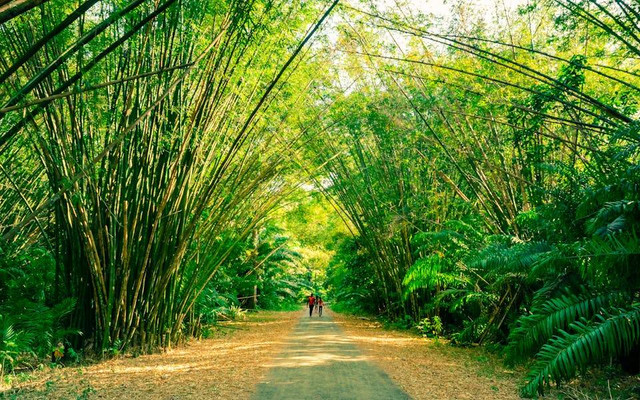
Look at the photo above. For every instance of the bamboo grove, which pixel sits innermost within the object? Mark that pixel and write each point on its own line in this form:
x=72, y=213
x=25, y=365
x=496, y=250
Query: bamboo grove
x=137, y=152
x=491, y=175
x=486, y=166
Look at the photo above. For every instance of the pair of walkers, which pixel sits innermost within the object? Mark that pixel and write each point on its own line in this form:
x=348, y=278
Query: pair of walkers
x=315, y=302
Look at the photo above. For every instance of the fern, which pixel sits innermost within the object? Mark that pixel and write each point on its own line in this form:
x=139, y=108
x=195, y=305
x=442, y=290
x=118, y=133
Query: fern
x=613, y=217
x=624, y=246
x=462, y=297
x=611, y=334
x=430, y=273
x=425, y=242
x=13, y=343
x=554, y=315
x=518, y=257
x=612, y=259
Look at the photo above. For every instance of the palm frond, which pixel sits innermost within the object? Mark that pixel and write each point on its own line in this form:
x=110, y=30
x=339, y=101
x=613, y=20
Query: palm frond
x=556, y=314
x=610, y=334
x=614, y=217
x=431, y=272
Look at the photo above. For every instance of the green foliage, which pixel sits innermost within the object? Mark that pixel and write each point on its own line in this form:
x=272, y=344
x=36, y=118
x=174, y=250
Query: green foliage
x=493, y=182
x=609, y=334
x=489, y=176
x=138, y=152
x=12, y=345
x=580, y=326
x=29, y=325
x=430, y=327
x=266, y=265
x=440, y=266
x=431, y=273
x=351, y=283
x=555, y=315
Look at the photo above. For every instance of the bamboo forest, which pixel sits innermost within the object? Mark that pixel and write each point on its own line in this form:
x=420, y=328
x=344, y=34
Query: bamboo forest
x=184, y=184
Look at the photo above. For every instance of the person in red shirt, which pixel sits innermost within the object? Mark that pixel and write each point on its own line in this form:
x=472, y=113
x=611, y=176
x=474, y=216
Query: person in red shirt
x=312, y=302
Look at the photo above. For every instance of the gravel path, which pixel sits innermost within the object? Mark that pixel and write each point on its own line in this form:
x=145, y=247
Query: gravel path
x=320, y=362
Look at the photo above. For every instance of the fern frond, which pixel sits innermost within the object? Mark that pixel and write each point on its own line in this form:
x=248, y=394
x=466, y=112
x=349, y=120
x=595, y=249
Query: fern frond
x=613, y=217
x=613, y=257
x=461, y=297
x=425, y=241
x=610, y=335
x=519, y=258
x=625, y=246
x=429, y=273
x=554, y=315
x=554, y=262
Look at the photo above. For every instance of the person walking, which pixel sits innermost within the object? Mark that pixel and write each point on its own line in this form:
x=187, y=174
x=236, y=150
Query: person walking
x=320, y=305
x=312, y=302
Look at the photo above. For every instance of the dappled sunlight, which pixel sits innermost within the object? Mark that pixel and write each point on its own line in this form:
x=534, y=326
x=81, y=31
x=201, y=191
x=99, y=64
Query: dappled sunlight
x=248, y=324
x=334, y=338
x=315, y=359
x=257, y=345
x=461, y=175
x=424, y=369
x=318, y=352
x=142, y=369
x=383, y=339
x=222, y=367
x=317, y=349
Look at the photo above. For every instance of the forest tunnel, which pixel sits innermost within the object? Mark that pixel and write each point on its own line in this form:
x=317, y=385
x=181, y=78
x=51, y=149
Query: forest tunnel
x=469, y=168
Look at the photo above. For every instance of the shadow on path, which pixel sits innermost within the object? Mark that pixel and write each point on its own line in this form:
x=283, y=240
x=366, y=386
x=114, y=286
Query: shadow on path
x=320, y=363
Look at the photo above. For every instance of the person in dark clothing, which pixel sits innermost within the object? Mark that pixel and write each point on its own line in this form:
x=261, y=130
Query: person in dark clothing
x=312, y=302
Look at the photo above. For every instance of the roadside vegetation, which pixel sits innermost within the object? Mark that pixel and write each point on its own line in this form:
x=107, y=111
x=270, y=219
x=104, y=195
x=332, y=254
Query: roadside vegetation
x=490, y=170
x=139, y=168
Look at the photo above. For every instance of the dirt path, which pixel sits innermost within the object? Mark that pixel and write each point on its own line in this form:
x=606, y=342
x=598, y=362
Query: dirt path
x=285, y=355
x=320, y=362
